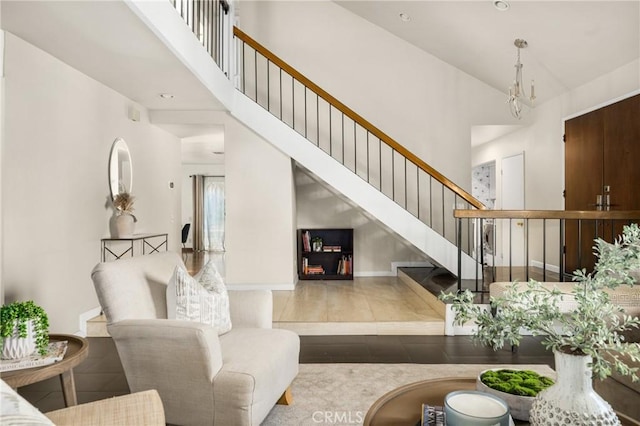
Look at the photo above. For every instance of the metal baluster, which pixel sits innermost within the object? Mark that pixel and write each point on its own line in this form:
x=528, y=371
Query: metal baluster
x=510, y=250
x=418, y=190
x=562, y=240
x=268, y=87
x=368, y=170
x=443, y=215
x=405, y=183
x=579, y=243
x=342, y=143
x=526, y=247
x=393, y=175
x=255, y=66
x=280, y=89
x=544, y=249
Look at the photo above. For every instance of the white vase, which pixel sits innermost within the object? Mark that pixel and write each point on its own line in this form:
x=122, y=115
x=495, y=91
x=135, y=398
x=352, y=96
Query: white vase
x=16, y=347
x=125, y=225
x=572, y=400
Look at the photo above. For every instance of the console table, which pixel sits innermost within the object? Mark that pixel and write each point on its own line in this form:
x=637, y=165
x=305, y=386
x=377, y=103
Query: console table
x=151, y=243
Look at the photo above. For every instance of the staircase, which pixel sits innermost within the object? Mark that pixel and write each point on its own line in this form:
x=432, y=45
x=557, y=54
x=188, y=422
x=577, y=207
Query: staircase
x=351, y=155
x=331, y=141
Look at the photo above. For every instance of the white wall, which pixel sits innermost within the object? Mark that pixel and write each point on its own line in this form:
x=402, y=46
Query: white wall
x=59, y=127
x=543, y=145
x=260, y=220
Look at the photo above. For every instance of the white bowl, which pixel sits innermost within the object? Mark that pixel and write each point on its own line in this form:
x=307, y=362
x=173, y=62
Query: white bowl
x=519, y=406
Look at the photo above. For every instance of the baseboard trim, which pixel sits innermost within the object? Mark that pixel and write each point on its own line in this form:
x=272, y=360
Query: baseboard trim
x=550, y=268
x=275, y=286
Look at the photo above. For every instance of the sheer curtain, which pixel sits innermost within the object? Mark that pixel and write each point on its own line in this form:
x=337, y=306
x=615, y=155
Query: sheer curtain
x=214, y=212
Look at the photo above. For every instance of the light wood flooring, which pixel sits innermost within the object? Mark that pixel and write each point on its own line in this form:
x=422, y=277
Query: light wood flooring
x=364, y=306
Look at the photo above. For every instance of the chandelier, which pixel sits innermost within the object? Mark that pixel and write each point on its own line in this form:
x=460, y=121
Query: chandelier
x=516, y=92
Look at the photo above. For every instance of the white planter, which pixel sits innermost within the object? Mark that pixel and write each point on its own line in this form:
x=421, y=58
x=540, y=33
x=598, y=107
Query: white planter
x=15, y=347
x=125, y=225
x=572, y=400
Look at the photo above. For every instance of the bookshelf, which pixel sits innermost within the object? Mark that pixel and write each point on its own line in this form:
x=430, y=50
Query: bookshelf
x=325, y=254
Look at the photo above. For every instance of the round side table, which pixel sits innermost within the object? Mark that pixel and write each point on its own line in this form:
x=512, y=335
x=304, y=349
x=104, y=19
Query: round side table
x=77, y=351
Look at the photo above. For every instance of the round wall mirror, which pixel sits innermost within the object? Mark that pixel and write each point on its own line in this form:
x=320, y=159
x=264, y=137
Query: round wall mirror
x=120, y=169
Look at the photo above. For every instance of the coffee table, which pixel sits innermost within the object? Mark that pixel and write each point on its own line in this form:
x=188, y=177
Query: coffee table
x=77, y=351
x=403, y=405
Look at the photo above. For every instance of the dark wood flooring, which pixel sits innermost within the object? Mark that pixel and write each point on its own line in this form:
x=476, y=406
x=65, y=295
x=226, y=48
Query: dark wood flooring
x=101, y=376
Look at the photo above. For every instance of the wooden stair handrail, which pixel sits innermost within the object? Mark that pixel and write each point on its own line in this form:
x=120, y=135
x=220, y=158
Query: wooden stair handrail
x=358, y=119
x=548, y=214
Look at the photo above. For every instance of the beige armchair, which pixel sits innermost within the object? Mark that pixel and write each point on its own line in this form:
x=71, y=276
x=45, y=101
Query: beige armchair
x=202, y=378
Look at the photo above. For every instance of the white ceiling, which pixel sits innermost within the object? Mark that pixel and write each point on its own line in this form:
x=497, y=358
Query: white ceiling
x=570, y=43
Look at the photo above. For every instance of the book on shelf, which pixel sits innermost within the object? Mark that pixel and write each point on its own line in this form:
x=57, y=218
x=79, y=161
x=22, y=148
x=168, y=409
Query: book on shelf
x=311, y=269
x=345, y=266
x=55, y=353
x=315, y=270
x=332, y=249
x=433, y=415
x=306, y=241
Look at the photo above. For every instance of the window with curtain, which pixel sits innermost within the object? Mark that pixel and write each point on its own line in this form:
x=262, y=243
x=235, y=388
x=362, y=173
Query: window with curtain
x=214, y=212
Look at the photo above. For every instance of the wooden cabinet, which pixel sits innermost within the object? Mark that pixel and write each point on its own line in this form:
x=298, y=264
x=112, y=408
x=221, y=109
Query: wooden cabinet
x=602, y=149
x=325, y=254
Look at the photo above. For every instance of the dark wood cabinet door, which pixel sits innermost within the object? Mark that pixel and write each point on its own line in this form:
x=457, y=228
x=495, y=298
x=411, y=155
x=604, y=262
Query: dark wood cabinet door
x=602, y=152
x=622, y=159
x=584, y=169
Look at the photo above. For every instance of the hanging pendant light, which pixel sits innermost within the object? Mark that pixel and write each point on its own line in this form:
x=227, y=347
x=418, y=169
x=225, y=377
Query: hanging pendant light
x=516, y=92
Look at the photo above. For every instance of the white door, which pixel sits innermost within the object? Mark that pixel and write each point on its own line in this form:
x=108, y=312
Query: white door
x=512, y=198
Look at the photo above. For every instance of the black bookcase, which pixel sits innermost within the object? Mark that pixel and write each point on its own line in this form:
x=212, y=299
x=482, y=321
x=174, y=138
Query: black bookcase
x=325, y=254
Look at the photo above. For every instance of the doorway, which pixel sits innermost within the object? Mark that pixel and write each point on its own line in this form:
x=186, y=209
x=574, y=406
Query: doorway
x=512, y=198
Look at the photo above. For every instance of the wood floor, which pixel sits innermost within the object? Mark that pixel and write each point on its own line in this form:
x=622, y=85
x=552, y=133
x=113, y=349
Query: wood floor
x=398, y=305
x=101, y=375
x=364, y=306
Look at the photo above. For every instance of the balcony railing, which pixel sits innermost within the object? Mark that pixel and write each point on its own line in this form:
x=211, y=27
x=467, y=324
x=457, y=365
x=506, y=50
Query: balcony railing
x=546, y=245
x=206, y=18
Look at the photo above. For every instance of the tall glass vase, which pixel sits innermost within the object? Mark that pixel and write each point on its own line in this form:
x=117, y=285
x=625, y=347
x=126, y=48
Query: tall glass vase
x=572, y=400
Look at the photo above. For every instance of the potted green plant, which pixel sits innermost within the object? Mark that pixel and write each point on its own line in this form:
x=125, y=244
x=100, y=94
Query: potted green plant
x=586, y=342
x=125, y=219
x=24, y=328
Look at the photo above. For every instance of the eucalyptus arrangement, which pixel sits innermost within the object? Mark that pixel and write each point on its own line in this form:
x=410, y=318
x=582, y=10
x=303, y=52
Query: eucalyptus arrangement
x=595, y=328
x=18, y=314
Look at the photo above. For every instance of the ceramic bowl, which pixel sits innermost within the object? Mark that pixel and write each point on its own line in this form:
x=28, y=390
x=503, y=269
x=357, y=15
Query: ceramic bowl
x=519, y=406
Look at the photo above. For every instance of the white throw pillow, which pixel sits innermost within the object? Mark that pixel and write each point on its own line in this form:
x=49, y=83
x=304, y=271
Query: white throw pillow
x=203, y=299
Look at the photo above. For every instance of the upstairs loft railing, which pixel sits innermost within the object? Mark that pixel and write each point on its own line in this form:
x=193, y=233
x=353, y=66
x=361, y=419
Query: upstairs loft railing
x=545, y=245
x=206, y=18
x=349, y=138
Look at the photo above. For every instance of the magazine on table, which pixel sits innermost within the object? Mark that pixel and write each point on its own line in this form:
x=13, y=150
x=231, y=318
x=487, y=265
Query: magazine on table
x=55, y=353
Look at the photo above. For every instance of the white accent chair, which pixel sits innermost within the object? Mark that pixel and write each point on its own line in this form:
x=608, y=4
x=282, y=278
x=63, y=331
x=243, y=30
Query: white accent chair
x=202, y=378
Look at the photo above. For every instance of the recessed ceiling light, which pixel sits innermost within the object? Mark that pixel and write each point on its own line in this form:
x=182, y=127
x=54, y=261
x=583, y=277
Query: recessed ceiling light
x=404, y=17
x=501, y=5
x=166, y=95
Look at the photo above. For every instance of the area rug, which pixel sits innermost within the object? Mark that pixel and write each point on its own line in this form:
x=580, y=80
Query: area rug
x=341, y=394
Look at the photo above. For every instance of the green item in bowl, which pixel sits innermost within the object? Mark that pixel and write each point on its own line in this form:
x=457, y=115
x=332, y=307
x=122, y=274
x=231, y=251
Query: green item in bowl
x=516, y=382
